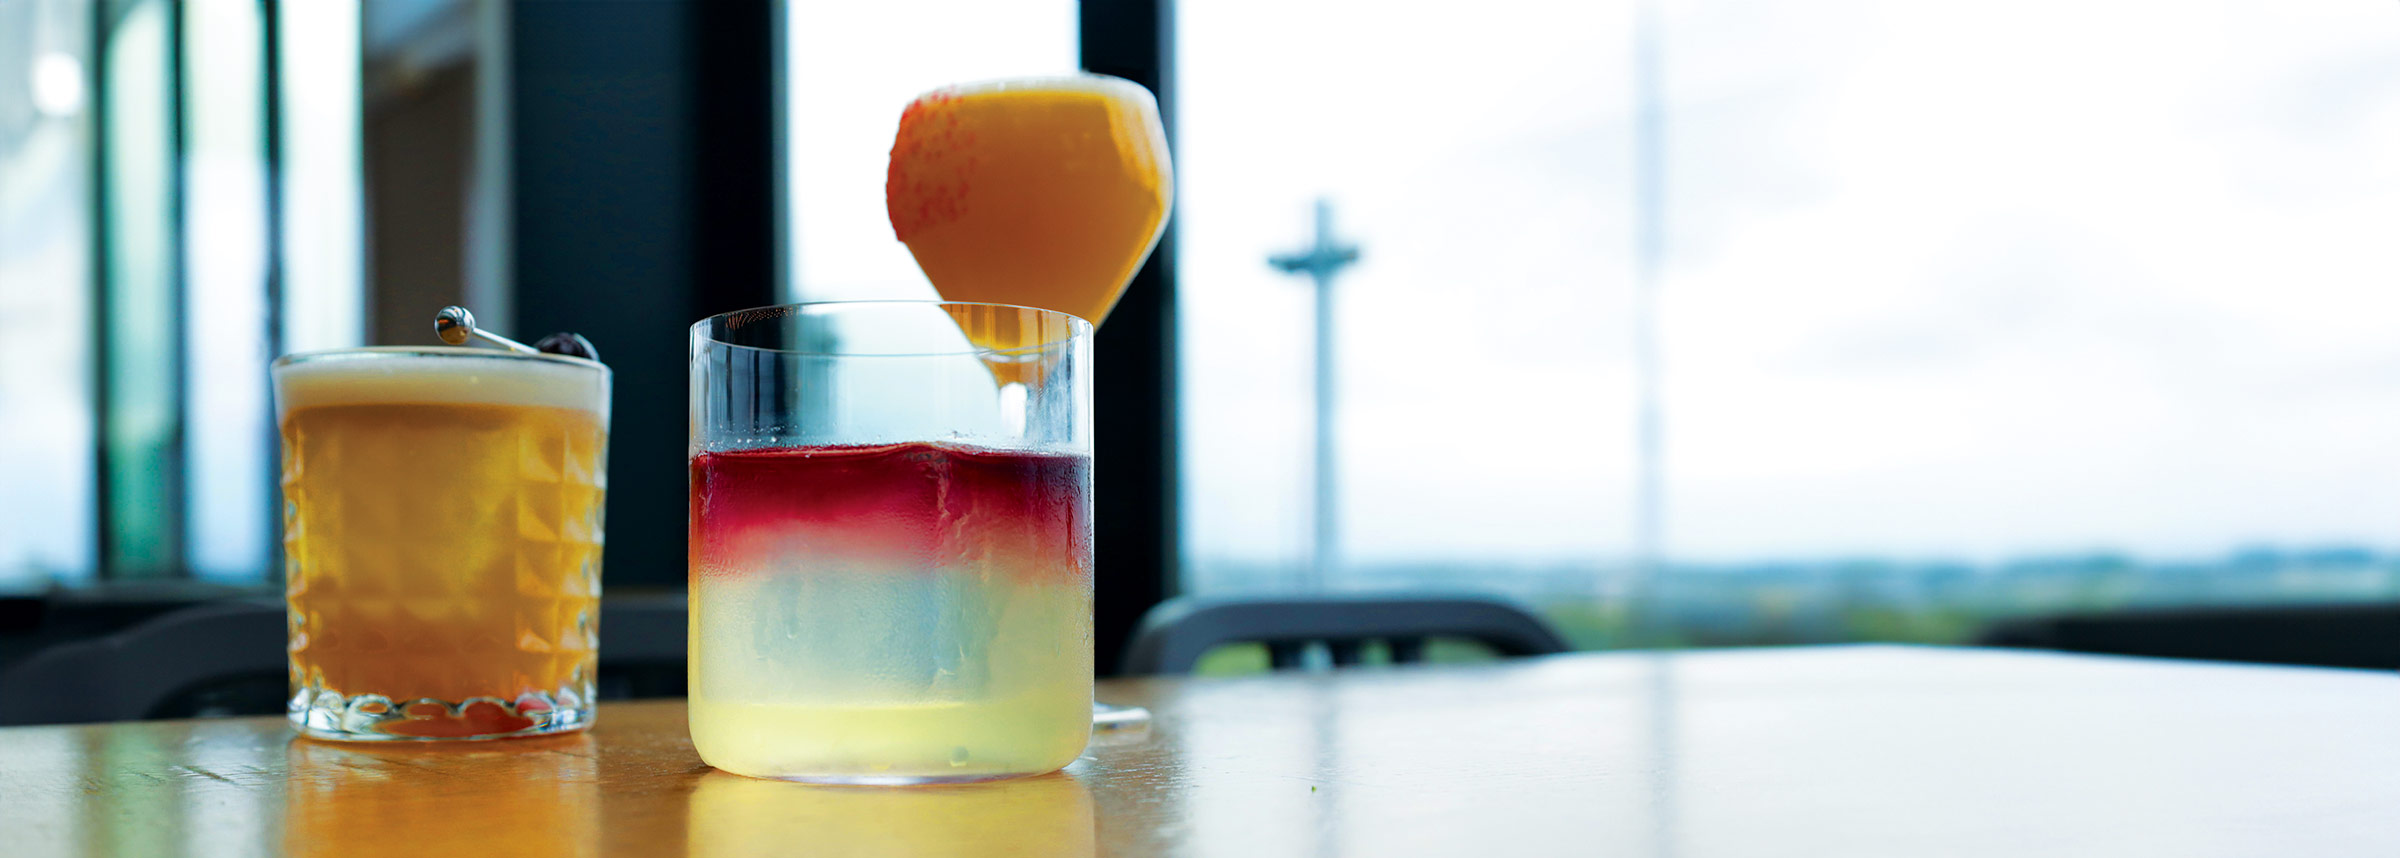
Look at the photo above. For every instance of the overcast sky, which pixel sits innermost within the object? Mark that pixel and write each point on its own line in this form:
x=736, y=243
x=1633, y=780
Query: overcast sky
x=1944, y=280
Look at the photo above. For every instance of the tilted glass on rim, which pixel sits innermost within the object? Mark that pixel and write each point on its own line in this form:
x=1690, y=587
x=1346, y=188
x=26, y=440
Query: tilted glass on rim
x=891, y=541
x=442, y=539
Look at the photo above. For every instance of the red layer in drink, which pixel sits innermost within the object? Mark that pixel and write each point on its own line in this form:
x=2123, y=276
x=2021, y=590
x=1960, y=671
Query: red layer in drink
x=901, y=507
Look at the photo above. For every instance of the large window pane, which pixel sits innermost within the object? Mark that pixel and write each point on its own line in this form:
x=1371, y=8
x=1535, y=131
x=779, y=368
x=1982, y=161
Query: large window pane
x=46, y=432
x=324, y=281
x=226, y=323
x=1481, y=370
x=1963, y=312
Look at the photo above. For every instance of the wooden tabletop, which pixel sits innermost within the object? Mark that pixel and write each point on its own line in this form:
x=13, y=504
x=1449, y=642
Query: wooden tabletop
x=1820, y=751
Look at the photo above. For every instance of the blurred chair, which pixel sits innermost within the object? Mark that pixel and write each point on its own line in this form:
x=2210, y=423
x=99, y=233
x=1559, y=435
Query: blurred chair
x=1174, y=635
x=227, y=659
x=643, y=642
x=223, y=651
x=2365, y=636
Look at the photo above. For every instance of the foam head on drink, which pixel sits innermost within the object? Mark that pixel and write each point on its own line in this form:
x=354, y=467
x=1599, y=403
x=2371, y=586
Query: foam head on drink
x=890, y=614
x=443, y=536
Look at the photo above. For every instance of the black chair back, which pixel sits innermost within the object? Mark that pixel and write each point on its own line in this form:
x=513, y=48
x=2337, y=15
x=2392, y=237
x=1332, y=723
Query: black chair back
x=193, y=655
x=227, y=658
x=1174, y=635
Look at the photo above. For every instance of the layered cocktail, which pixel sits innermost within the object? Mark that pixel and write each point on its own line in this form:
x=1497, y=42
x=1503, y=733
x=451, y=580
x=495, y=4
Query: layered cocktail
x=891, y=574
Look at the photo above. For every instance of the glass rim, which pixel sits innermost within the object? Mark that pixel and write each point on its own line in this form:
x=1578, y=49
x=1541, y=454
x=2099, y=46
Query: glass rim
x=376, y=352
x=1078, y=328
x=1089, y=80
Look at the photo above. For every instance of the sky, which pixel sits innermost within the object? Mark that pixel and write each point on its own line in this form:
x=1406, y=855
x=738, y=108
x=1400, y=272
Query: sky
x=1942, y=281
x=1962, y=280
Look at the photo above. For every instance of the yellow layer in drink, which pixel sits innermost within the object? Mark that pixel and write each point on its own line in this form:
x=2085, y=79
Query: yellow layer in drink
x=898, y=675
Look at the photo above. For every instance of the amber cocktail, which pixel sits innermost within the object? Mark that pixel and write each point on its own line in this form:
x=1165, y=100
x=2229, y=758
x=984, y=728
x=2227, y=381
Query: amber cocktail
x=442, y=534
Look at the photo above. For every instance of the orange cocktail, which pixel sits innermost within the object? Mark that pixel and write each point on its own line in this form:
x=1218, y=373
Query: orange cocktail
x=442, y=535
x=1044, y=192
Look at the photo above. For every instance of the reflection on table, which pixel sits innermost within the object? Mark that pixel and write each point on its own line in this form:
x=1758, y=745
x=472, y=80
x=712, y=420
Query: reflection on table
x=535, y=798
x=734, y=817
x=1808, y=751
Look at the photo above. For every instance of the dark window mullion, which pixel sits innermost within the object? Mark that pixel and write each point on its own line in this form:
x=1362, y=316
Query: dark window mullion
x=175, y=553
x=271, y=150
x=1134, y=390
x=96, y=289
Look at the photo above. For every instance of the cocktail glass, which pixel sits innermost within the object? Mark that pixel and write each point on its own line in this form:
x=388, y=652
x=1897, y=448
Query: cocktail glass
x=891, y=554
x=442, y=538
x=1042, y=192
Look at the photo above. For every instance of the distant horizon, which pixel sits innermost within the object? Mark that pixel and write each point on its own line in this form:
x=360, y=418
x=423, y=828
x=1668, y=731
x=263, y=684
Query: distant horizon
x=2228, y=555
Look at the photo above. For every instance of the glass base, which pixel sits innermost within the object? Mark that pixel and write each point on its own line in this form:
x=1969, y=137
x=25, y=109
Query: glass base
x=330, y=716
x=1109, y=716
x=894, y=780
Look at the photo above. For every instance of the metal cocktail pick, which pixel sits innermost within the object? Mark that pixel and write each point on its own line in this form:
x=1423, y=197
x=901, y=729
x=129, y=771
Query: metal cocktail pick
x=456, y=326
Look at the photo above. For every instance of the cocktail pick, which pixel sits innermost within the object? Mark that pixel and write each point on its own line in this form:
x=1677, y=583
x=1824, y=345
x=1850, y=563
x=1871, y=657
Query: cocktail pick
x=457, y=326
